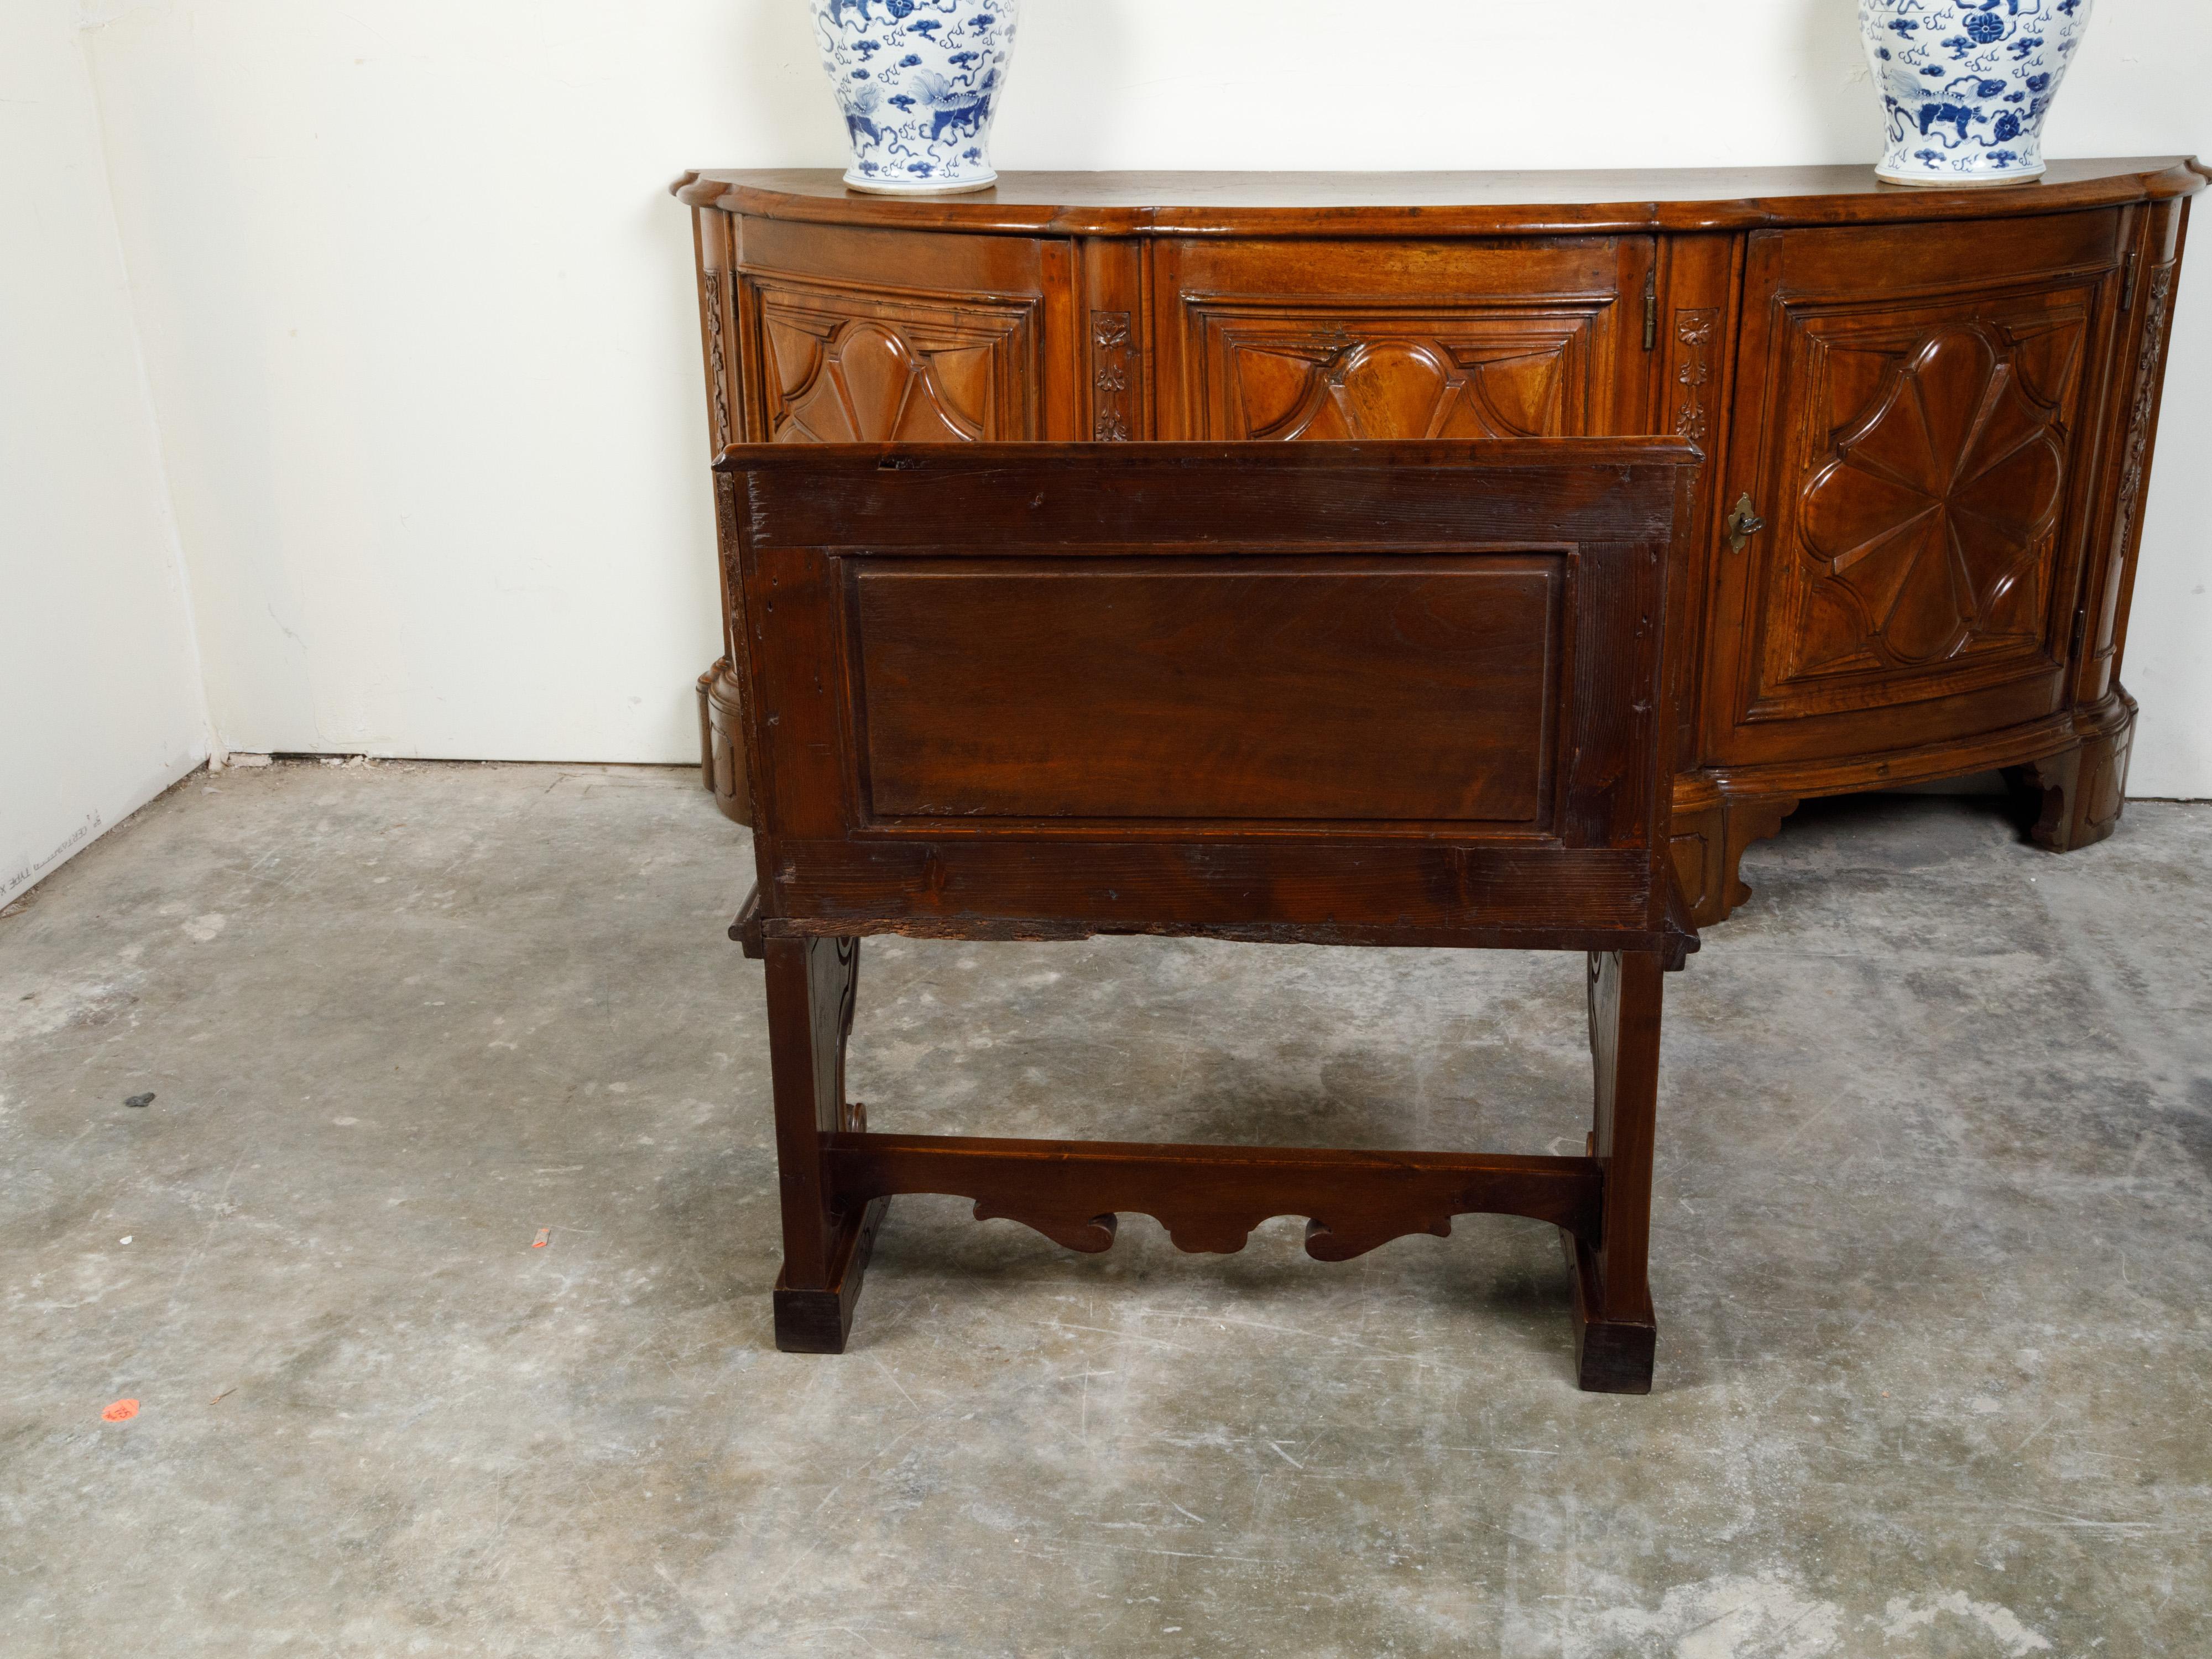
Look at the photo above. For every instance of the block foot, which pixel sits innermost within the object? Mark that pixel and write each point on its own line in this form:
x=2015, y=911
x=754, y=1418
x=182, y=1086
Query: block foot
x=1612, y=1356
x=820, y=1321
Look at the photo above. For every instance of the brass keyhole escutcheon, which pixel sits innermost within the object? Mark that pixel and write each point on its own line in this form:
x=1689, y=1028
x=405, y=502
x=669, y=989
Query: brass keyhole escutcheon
x=1743, y=524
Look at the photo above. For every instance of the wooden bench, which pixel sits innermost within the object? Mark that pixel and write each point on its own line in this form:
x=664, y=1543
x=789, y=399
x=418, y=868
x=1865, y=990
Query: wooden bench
x=1395, y=694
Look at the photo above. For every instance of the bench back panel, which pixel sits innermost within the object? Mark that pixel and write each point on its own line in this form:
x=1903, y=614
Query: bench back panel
x=1329, y=691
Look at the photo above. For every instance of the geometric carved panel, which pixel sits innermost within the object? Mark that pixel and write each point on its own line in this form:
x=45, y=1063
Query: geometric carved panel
x=1496, y=369
x=1923, y=498
x=846, y=366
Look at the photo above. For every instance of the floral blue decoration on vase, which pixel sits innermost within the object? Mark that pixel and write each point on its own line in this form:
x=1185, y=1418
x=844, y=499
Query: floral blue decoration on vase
x=917, y=82
x=1966, y=84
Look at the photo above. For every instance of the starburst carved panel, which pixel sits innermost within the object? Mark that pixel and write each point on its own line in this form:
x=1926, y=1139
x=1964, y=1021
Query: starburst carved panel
x=1935, y=501
x=1929, y=494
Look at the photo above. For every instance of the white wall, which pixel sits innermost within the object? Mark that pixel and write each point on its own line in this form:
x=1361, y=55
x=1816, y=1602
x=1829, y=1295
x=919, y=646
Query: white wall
x=420, y=325
x=99, y=689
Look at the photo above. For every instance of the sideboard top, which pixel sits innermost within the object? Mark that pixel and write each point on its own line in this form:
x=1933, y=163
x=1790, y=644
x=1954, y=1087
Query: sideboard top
x=1431, y=203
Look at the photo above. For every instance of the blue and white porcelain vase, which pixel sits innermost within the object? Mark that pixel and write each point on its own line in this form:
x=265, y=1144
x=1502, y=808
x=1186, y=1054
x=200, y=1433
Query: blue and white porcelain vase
x=917, y=82
x=1966, y=84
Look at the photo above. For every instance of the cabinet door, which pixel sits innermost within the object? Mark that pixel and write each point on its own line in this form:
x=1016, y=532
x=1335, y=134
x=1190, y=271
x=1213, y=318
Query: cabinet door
x=1365, y=339
x=1917, y=418
x=864, y=335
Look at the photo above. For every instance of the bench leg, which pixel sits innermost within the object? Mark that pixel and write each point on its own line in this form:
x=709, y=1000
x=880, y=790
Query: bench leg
x=1615, y=1332
x=811, y=986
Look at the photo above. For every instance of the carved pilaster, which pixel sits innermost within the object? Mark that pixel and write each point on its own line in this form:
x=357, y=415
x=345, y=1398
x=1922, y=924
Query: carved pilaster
x=1693, y=371
x=2106, y=594
x=1109, y=376
x=2137, y=449
x=722, y=762
x=710, y=282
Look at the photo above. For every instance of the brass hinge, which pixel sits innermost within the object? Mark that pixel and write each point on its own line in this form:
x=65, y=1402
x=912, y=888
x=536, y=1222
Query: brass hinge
x=2128, y=283
x=2081, y=629
x=1651, y=309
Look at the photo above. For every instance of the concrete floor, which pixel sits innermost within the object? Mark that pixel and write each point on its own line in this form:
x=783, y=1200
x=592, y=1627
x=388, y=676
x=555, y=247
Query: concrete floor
x=1933, y=1263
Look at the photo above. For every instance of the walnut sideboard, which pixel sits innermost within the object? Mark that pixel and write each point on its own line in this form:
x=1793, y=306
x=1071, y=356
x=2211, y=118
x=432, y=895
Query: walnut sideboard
x=1927, y=414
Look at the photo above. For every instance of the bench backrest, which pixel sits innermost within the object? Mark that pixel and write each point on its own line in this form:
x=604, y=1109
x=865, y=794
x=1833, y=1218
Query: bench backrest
x=1359, y=693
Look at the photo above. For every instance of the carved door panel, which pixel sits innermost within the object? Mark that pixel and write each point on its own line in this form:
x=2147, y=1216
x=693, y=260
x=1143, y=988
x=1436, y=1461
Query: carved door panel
x=849, y=334
x=853, y=338
x=840, y=366
x=1921, y=437
x=1320, y=340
